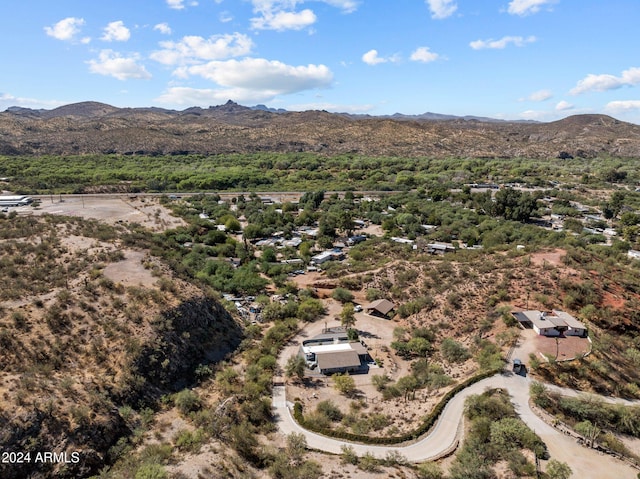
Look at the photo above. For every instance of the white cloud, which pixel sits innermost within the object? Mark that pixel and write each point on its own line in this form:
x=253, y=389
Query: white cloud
x=111, y=63
x=621, y=106
x=540, y=95
x=502, y=43
x=225, y=17
x=194, y=96
x=247, y=80
x=116, y=31
x=372, y=58
x=176, y=4
x=606, y=82
x=527, y=7
x=424, y=55
x=259, y=75
x=282, y=20
x=65, y=29
x=442, y=8
x=537, y=115
x=163, y=28
x=334, y=107
x=564, y=105
x=281, y=15
x=347, y=6
x=192, y=49
x=7, y=100
x=179, y=4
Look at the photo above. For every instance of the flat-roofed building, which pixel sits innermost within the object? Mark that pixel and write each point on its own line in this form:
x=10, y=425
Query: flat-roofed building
x=332, y=352
x=555, y=323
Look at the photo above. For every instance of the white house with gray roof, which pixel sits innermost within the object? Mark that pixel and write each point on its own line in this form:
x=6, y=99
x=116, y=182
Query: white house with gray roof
x=555, y=323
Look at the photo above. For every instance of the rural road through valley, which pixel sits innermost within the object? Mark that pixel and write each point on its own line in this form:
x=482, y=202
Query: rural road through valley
x=585, y=463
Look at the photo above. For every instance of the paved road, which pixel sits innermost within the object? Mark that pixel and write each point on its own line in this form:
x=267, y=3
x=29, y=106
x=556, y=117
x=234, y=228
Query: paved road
x=443, y=438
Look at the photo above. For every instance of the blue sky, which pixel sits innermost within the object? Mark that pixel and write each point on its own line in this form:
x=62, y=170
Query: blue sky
x=511, y=59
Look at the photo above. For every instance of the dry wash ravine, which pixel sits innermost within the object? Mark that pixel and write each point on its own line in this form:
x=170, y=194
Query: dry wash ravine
x=443, y=437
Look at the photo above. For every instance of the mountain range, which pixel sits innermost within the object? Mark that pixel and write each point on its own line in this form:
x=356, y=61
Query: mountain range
x=98, y=128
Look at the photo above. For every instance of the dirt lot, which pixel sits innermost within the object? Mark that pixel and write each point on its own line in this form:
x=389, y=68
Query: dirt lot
x=542, y=347
x=146, y=211
x=130, y=271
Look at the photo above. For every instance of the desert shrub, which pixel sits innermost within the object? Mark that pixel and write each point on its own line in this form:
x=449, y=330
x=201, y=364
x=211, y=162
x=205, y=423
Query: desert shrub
x=189, y=441
x=151, y=471
x=342, y=295
x=187, y=401
x=453, y=352
x=380, y=381
x=374, y=294
x=489, y=357
x=348, y=455
x=330, y=410
x=369, y=463
x=310, y=309
x=429, y=470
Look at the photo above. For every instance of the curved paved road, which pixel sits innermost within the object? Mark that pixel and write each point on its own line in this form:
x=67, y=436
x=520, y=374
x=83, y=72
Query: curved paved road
x=585, y=463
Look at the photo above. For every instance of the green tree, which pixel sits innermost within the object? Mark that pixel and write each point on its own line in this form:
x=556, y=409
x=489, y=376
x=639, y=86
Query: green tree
x=252, y=231
x=296, y=447
x=590, y=431
x=305, y=250
x=558, y=470
x=344, y=383
x=406, y=385
x=295, y=367
x=347, y=316
x=513, y=205
x=342, y=295
x=310, y=309
x=419, y=346
x=269, y=255
x=232, y=225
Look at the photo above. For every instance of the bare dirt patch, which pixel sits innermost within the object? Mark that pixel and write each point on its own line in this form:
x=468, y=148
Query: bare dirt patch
x=612, y=301
x=548, y=257
x=130, y=271
x=564, y=348
x=146, y=211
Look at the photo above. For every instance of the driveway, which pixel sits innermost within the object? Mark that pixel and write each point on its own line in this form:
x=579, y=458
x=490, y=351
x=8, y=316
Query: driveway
x=443, y=438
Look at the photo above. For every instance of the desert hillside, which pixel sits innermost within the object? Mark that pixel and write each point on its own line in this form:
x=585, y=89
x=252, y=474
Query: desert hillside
x=91, y=338
x=95, y=128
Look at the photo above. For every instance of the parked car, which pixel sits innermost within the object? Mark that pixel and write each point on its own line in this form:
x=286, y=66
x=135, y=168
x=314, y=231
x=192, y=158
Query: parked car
x=357, y=308
x=517, y=365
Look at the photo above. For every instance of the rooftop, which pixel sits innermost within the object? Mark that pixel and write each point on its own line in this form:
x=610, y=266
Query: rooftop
x=383, y=306
x=342, y=359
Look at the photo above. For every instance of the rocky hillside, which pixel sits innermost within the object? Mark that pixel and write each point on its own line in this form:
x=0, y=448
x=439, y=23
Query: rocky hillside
x=85, y=349
x=87, y=128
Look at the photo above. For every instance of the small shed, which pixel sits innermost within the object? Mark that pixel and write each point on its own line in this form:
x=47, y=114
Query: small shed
x=380, y=307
